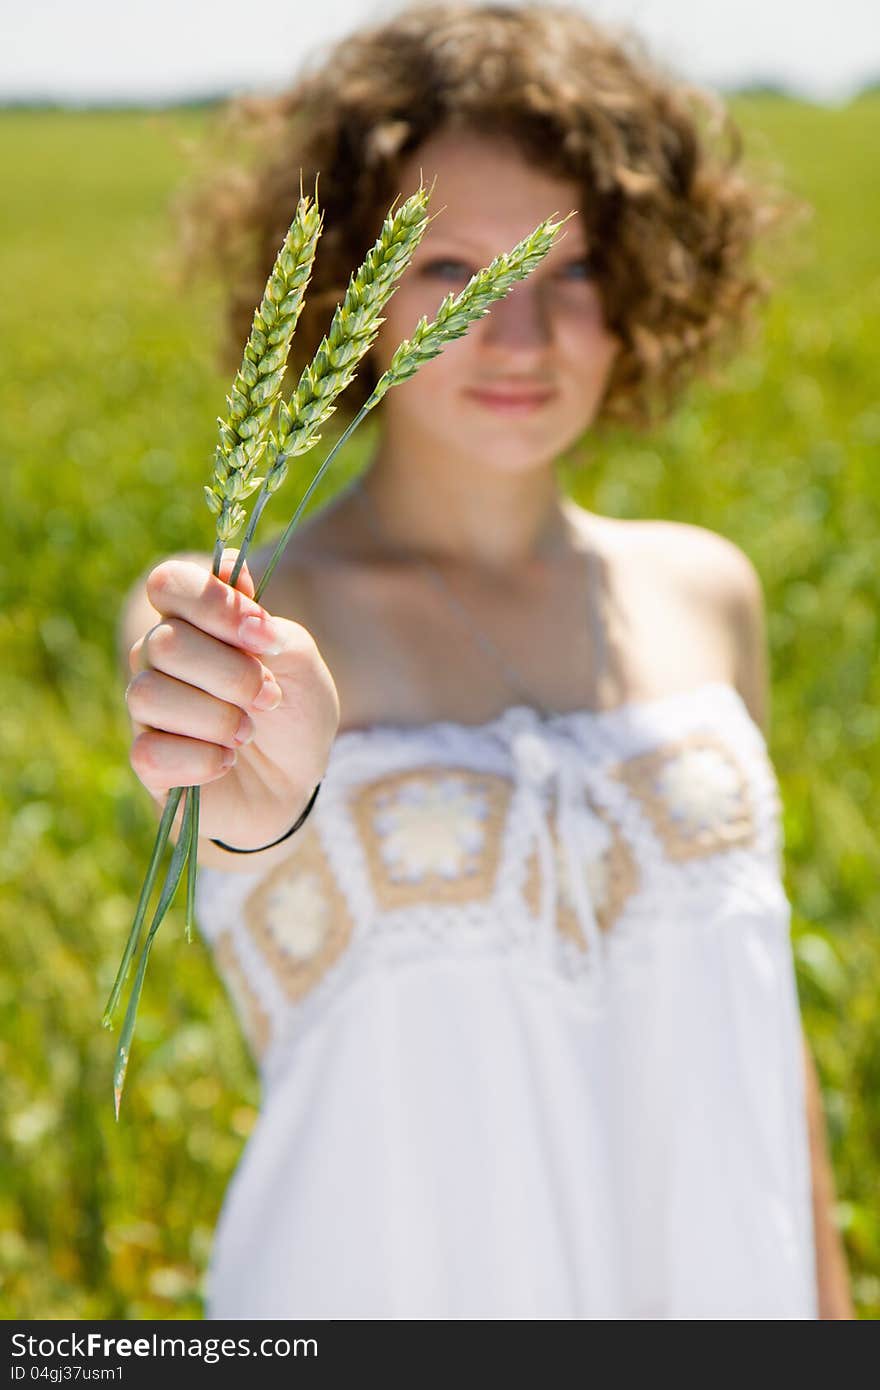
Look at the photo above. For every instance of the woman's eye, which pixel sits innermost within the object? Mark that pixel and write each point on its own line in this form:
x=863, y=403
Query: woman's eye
x=441, y=266
x=581, y=269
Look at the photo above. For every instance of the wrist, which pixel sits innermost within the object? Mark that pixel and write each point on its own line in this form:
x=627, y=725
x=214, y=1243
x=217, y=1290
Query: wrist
x=285, y=834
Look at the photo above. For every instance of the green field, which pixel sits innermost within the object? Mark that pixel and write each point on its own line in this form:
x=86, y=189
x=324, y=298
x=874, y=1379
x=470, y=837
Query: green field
x=108, y=397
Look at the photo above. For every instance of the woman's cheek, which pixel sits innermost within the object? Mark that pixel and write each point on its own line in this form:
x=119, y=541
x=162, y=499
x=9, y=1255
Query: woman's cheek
x=591, y=343
x=447, y=374
x=401, y=316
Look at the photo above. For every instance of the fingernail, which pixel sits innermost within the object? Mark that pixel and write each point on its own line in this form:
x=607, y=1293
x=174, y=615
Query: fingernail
x=228, y=759
x=259, y=635
x=245, y=730
x=269, y=696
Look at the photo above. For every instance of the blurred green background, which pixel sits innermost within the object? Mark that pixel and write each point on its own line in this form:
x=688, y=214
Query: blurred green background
x=108, y=398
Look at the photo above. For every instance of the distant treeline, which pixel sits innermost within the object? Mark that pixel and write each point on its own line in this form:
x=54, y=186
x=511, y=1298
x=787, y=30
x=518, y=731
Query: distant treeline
x=83, y=104
x=755, y=87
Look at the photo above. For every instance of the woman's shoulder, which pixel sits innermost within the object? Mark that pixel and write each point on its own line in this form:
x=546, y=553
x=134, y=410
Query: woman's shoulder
x=703, y=568
x=698, y=553
x=697, y=561
x=680, y=577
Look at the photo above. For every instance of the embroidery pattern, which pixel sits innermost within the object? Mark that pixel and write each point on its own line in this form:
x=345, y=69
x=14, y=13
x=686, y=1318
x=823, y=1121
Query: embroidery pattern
x=254, y=1019
x=432, y=834
x=695, y=793
x=298, y=917
x=429, y=838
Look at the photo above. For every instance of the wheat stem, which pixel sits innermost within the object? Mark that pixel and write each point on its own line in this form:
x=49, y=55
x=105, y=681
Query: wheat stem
x=161, y=841
x=169, y=888
x=257, y=512
x=192, y=862
x=291, y=526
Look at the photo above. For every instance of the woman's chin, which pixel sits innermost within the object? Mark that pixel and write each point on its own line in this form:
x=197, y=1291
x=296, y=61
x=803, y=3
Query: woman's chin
x=502, y=457
x=518, y=444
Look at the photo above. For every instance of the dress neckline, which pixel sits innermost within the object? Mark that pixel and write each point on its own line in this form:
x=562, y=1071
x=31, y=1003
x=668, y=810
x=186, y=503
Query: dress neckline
x=628, y=710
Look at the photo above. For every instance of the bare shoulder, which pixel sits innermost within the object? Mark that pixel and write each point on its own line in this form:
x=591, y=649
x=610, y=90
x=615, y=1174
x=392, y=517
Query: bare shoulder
x=680, y=553
x=708, y=587
x=715, y=567
x=715, y=577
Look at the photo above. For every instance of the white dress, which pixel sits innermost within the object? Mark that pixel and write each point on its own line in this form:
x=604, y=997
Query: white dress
x=524, y=1006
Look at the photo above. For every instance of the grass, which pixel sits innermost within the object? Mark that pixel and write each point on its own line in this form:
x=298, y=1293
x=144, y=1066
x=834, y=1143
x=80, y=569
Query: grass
x=108, y=398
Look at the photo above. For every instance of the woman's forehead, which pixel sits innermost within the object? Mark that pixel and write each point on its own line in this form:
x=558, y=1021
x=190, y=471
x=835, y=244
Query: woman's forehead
x=486, y=186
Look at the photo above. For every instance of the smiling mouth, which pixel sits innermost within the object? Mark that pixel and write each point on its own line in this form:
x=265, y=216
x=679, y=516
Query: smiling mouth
x=511, y=399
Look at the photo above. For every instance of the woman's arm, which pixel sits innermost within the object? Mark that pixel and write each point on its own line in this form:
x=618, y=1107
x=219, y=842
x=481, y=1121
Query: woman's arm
x=751, y=663
x=835, y=1299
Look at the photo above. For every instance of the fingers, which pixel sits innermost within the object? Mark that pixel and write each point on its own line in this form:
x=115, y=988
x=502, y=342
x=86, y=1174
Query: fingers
x=244, y=582
x=183, y=589
x=177, y=649
x=163, y=760
x=159, y=702
x=135, y=662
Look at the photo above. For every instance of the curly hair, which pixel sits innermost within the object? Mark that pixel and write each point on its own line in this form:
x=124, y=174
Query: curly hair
x=672, y=219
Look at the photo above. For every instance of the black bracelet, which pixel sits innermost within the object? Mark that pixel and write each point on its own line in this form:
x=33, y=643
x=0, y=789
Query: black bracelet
x=286, y=836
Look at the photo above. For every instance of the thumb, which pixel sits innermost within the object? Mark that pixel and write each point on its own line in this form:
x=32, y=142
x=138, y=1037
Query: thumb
x=244, y=583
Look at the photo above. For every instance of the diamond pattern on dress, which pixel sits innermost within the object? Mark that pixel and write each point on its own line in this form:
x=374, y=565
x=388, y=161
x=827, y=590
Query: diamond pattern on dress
x=695, y=793
x=432, y=834
x=298, y=918
x=253, y=1018
x=426, y=819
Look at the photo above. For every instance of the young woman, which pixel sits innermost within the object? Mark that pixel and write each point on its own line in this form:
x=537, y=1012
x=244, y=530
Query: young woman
x=520, y=985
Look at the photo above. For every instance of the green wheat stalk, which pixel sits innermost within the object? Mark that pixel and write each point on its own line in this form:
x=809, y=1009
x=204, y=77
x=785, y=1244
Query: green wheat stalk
x=245, y=434
x=248, y=441
x=243, y=439
x=453, y=319
x=352, y=332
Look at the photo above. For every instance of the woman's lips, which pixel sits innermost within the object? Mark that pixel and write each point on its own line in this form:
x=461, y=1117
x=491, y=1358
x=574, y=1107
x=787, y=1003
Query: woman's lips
x=510, y=402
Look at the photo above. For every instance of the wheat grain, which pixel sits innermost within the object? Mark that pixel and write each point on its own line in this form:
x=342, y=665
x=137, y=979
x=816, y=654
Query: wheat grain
x=454, y=317
x=353, y=329
x=245, y=437
x=457, y=313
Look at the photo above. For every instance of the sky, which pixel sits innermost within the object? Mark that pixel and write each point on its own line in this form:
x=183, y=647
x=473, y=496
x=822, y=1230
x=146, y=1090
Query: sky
x=158, y=50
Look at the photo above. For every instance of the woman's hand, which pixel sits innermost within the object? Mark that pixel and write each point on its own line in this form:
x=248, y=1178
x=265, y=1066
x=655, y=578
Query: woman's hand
x=226, y=696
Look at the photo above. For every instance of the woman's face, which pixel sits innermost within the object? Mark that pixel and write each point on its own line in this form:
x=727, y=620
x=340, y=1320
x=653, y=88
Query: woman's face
x=525, y=381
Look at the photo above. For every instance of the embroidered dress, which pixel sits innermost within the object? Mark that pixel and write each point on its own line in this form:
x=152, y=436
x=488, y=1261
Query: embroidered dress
x=523, y=1002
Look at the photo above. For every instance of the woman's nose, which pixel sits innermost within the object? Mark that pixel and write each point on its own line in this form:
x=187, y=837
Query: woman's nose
x=520, y=319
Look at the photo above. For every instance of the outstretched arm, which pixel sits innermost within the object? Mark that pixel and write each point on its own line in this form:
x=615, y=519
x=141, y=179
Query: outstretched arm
x=835, y=1299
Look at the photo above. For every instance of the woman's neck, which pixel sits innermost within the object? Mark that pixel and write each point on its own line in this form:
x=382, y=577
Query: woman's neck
x=454, y=512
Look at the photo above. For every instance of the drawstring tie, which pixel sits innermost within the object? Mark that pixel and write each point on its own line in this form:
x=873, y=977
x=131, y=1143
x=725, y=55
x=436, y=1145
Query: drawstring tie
x=544, y=758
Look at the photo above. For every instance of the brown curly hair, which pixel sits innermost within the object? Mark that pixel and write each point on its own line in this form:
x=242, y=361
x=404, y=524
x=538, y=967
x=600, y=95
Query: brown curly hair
x=671, y=218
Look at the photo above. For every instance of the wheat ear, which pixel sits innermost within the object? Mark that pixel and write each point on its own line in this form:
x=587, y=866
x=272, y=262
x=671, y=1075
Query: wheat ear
x=457, y=313
x=352, y=332
x=453, y=319
x=245, y=436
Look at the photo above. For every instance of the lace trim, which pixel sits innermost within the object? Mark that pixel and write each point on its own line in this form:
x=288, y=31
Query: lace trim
x=630, y=711
x=564, y=842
